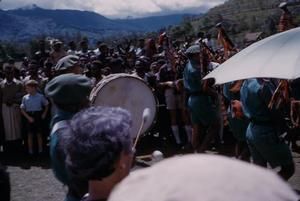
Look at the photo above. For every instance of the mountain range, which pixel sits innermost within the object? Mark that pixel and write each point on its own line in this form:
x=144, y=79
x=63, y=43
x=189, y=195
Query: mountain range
x=23, y=24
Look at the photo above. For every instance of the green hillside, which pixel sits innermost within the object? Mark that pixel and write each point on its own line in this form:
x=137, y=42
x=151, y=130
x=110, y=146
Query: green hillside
x=239, y=17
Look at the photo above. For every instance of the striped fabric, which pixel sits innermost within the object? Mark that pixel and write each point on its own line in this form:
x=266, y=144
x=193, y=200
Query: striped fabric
x=12, y=122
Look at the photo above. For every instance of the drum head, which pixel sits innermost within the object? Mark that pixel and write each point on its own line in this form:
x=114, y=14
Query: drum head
x=127, y=92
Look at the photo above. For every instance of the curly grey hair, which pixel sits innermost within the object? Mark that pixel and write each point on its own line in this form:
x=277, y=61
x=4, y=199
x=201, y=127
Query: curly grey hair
x=96, y=138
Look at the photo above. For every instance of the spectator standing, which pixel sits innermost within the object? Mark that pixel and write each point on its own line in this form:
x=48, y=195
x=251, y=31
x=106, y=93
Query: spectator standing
x=11, y=92
x=72, y=48
x=42, y=54
x=140, y=50
x=33, y=69
x=58, y=52
x=34, y=107
x=167, y=80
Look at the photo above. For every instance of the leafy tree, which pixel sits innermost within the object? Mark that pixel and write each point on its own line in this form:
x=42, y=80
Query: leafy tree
x=188, y=28
x=253, y=24
x=270, y=26
x=33, y=46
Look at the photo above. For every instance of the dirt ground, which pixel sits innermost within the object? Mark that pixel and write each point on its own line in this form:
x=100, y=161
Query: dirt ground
x=32, y=178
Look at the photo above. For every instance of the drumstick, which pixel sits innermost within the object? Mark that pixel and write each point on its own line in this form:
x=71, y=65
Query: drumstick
x=146, y=116
x=149, y=156
x=156, y=155
x=275, y=95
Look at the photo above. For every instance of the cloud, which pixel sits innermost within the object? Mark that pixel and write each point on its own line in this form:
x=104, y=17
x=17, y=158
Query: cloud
x=119, y=8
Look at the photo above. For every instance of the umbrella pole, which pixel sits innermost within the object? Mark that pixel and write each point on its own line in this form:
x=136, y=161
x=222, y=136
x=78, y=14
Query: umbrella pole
x=280, y=95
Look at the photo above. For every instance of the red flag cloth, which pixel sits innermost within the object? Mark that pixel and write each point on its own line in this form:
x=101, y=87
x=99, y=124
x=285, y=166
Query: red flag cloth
x=286, y=22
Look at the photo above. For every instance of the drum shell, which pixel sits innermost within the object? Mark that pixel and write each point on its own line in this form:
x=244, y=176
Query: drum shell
x=130, y=93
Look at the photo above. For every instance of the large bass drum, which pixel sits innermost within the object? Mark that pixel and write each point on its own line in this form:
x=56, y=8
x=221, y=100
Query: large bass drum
x=128, y=92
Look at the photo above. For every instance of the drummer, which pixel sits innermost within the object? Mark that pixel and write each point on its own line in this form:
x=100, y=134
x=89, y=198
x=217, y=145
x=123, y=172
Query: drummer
x=69, y=94
x=204, y=112
x=265, y=127
x=99, y=149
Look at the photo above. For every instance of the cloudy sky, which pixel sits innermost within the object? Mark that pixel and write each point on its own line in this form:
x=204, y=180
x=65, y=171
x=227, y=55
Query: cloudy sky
x=120, y=8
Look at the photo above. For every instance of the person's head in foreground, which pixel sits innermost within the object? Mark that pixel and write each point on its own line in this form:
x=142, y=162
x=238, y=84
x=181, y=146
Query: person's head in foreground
x=99, y=149
x=203, y=178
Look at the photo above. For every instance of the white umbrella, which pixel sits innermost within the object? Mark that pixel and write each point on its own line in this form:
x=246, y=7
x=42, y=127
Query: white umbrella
x=277, y=56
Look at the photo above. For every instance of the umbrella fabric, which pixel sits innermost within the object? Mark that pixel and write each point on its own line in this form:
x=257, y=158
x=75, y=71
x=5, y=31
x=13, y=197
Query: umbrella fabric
x=203, y=178
x=277, y=56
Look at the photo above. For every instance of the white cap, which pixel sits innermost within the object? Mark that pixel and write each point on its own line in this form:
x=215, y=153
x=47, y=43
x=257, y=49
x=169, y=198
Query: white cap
x=282, y=5
x=203, y=178
x=194, y=49
x=66, y=62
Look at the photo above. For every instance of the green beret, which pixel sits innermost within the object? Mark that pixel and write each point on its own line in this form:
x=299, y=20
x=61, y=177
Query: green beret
x=68, y=89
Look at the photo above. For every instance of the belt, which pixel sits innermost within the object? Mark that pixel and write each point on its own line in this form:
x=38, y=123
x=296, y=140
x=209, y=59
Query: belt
x=261, y=122
x=197, y=93
x=34, y=112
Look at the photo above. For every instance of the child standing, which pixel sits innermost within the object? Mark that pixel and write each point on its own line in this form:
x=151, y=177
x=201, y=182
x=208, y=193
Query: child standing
x=34, y=107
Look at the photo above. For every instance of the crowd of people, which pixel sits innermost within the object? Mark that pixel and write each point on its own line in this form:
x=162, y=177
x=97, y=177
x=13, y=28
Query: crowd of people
x=91, y=147
x=159, y=63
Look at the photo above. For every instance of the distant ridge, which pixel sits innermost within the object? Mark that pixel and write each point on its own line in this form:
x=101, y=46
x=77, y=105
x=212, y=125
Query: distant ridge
x=27, y=22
